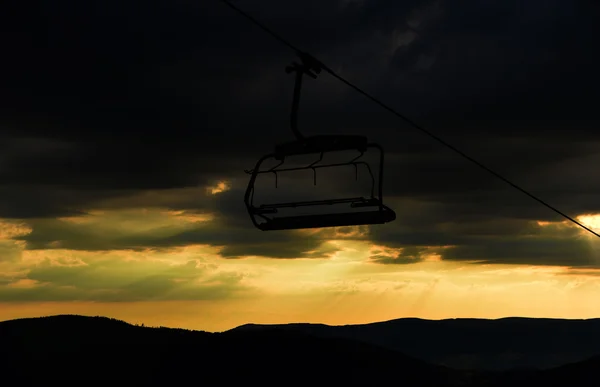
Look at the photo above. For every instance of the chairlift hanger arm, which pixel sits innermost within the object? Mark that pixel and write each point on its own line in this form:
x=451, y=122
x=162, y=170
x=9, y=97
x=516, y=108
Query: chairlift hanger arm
x=310, y=67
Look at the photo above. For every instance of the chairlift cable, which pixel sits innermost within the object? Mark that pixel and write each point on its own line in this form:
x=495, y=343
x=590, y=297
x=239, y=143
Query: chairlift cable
x=404, y=118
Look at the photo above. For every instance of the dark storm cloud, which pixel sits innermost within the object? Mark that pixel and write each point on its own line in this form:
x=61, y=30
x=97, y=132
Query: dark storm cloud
x=552, y=250
x=103, y=100
x=490, y=239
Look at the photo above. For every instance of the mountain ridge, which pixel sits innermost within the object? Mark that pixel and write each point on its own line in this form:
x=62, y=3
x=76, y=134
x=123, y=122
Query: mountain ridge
x=510, y=343
x=516, y=318
x=469, y=343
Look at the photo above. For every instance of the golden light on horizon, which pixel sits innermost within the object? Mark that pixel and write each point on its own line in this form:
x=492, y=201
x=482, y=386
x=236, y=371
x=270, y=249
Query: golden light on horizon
x=341, y=278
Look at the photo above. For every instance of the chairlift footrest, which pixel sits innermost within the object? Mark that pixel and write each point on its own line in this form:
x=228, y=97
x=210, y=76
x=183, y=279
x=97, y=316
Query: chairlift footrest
x=329, y=220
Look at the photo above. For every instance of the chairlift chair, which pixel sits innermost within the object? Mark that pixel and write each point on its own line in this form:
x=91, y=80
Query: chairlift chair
x=267, y=217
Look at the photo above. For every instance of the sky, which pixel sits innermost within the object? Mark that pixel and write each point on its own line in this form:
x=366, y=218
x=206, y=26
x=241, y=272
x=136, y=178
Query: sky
x=126, y=126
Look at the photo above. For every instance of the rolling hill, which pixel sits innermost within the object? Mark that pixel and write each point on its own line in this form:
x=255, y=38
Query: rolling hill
x=501, y=344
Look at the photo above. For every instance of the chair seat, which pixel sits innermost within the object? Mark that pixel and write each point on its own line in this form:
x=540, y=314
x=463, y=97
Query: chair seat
x=329, y=220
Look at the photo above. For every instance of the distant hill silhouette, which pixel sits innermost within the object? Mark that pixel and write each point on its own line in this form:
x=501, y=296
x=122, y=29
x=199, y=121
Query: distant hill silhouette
x=97, y=350
x=500, y=344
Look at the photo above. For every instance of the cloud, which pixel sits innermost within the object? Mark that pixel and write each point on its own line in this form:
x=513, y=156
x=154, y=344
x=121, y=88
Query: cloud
x=224, y=223
x=523, y=243
x=158, y=84
x=124, y=276
x=183, y=97
x=109, y=230
x=10, y=247
x=405, y=255
x=423, y=230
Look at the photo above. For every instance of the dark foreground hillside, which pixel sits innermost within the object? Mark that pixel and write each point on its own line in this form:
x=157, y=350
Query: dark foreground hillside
x=84, y=349
x=98, y=351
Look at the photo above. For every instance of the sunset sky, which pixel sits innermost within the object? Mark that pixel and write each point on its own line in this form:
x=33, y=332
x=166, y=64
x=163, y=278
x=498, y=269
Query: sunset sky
x=126, y=126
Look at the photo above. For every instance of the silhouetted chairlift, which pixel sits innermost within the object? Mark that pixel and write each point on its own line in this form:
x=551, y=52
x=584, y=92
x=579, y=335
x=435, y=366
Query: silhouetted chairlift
x=379, y=214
